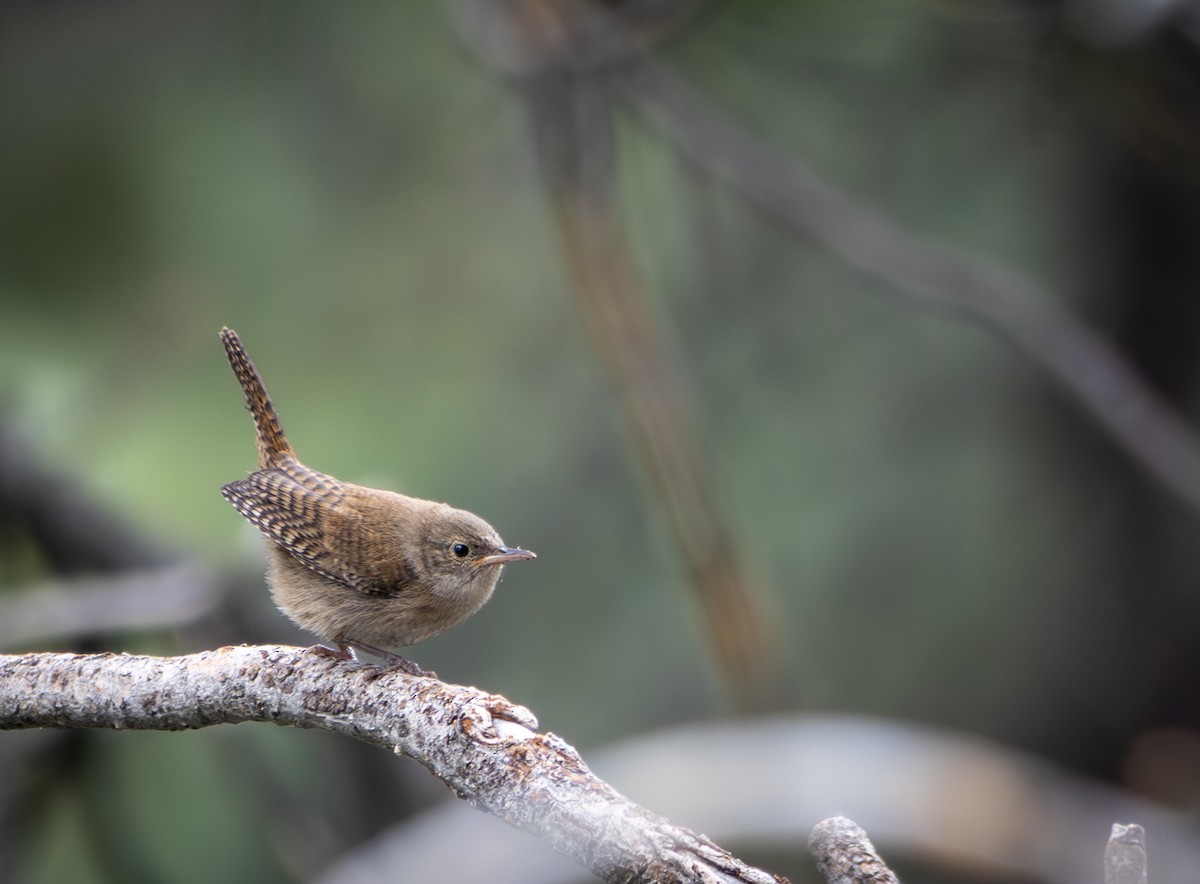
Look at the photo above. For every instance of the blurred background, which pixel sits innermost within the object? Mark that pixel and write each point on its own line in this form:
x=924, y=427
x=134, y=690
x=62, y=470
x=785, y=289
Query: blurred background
x=837, y=359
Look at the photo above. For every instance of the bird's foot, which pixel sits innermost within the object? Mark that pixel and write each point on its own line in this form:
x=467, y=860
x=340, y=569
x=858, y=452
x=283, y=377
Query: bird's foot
x=392, y=661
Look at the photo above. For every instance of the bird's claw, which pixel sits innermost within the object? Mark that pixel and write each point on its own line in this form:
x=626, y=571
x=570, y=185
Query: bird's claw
x=391, y=662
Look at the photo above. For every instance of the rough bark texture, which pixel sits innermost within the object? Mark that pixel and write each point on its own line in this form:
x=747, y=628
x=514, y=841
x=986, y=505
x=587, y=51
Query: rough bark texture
x=845, y=854
x=481, y=745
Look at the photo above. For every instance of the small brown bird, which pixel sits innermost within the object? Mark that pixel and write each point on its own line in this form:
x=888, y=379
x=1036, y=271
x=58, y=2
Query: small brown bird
x=359, y=567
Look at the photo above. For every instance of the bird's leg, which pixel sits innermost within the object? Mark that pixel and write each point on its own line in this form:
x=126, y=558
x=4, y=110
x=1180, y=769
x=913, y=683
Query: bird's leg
x=390, y=660
x=340, y=651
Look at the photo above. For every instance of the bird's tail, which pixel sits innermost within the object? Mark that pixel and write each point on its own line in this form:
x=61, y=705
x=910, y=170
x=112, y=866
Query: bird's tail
x=273, y=446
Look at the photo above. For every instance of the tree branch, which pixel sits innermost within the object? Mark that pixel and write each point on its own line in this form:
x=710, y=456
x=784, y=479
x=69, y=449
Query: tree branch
x=562, y=52
x=845, y=855
x=584, y=39
x=574, y=124
x=481, y=745
x=1077, y=358
x=74, y=532
x=1125, y=856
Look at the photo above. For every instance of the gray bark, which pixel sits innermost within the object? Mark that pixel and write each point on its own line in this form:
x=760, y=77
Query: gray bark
x=845, y=855
x=483, y=747
x=1125, y=856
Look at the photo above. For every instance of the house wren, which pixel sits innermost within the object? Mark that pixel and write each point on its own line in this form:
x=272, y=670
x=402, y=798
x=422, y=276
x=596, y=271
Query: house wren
x=359, y=567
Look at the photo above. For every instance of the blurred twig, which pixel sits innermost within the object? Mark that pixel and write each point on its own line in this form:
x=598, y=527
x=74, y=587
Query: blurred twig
x=72, y=531
x=71, y=535
x=845, y=855
x=567, y=93
x=1125, y=856
x=85, y=607
x=1083, y=363
x=574, y=60
x=481, y=745
x=578, y=121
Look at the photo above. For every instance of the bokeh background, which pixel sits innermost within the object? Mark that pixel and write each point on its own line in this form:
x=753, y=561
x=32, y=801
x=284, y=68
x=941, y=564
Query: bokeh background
x=917, y=520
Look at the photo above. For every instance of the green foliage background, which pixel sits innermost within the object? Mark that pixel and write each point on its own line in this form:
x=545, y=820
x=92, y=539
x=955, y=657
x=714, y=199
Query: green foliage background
x=356, y=194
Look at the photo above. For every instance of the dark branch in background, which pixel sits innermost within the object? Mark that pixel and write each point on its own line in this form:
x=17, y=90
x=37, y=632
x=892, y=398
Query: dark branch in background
x=52, y=530
x=1085, y=365
x=482, y=746
x=580, y=39
x=73, y=532
x=573, y=120
x=568, y=57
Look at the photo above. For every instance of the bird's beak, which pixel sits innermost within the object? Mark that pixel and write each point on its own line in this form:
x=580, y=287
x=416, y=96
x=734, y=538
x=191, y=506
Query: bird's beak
x=505, y=555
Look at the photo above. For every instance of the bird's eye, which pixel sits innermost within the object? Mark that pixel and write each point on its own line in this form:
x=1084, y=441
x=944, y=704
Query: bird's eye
x=461, y=550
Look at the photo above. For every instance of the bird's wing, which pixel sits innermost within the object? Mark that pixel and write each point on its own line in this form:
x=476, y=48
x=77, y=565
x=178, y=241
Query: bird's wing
x=307, y=514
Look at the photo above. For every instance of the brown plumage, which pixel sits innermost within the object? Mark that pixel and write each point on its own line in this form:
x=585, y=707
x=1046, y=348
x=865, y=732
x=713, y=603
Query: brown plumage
x=357, y=566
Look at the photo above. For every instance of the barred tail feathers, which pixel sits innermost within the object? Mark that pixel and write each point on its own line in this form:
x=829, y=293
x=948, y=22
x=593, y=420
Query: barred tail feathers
x=273, y=446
